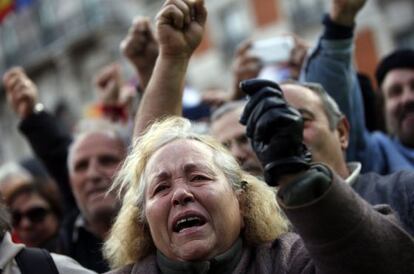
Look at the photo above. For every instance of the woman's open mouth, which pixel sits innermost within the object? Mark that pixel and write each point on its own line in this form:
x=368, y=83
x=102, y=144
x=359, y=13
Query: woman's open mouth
x=188, y=222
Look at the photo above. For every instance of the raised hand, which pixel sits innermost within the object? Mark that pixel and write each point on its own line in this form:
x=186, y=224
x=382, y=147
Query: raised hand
x=108, y=81
x=141, y=48
x=180, y=27
x=297, y=56
x=245, y=66
x=343, y=12
x=275, y=130
x=21, y=92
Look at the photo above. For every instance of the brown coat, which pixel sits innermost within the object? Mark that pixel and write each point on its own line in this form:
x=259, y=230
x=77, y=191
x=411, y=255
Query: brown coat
x=339, y=234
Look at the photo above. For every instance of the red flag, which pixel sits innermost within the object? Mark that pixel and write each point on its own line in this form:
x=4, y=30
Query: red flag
x=6, y=6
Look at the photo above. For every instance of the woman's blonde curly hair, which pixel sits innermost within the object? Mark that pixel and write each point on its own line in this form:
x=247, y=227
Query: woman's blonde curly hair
x=130, y=240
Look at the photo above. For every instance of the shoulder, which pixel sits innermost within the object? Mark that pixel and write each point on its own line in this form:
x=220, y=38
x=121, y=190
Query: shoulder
x=287, y=252
x=148, y=265
x=123, y=270
x=66, y=265
x=395, y=180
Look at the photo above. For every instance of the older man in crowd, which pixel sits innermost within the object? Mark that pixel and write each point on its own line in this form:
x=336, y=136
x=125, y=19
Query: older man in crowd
x=330, y=64
x=83, y=169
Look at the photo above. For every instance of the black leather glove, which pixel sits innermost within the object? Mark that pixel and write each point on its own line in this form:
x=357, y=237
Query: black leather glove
x=275, y=130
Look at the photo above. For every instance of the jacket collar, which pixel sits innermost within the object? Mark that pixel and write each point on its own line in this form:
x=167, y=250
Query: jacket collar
x=223, y=263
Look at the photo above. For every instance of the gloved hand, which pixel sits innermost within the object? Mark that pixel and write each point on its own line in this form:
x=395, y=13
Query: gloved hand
x=275, y=130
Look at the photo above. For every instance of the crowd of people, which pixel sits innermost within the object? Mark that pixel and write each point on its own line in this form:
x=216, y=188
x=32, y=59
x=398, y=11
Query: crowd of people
x=288, y=179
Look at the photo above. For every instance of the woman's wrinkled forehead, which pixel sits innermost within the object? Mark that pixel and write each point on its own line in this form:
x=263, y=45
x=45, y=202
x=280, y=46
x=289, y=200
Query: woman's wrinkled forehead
x=181, y=154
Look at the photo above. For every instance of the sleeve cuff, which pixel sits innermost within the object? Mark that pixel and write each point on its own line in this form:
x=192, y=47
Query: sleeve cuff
x=334, y=31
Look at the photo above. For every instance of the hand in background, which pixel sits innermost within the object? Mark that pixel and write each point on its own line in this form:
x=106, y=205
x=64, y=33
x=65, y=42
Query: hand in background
x=245, y=66
x=297, y=56
x=21, y=92
x=140, y=47
x=108, y=81
x=343, y=12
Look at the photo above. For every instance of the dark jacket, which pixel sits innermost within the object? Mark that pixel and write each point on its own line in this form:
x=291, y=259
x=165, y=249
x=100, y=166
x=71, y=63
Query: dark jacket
x=396, y=190
x=336, y=233
x=51, y=142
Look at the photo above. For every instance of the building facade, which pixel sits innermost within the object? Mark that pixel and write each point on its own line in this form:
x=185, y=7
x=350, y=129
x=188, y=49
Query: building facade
x=62, y=44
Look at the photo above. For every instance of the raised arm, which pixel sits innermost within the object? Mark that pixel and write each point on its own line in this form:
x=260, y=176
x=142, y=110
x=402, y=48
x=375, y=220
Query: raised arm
x=49, y=141
x=330, y=65
x=180, y=27
x=341, y=232
x=140, y=47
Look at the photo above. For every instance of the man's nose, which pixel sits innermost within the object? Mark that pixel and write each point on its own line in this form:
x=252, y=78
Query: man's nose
x=182, y=195
x=94, y=169
x=408, y=94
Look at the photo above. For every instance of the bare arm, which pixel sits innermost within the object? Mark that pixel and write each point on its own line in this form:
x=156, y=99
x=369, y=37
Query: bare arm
x=180, y=26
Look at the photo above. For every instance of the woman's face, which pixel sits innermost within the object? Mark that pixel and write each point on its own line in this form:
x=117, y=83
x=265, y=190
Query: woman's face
x=33, y=220
x=191, y=209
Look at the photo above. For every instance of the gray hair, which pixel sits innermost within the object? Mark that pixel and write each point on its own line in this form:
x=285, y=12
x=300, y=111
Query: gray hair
x=89, y=126
x=329, y=105
x=226, y=108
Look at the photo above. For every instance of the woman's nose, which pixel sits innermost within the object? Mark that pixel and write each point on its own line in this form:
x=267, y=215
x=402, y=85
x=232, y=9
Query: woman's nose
x=25, y=222
x=182, y=196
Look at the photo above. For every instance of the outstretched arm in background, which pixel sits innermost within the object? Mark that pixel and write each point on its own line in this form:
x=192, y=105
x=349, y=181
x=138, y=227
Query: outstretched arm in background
x=49, y=141
x=330, y=64
x=338, y=239
x=140, y=47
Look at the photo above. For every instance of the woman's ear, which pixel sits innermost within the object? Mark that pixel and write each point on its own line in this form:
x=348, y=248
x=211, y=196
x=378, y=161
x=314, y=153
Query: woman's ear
x=241, y=194
x=241, y=197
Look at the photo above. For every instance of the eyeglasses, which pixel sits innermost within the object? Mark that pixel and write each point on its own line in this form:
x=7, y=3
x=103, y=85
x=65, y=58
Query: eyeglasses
x=35, y=215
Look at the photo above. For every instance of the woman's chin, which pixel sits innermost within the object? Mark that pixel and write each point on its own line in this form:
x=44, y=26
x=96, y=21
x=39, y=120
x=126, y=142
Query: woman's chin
x=194, y=251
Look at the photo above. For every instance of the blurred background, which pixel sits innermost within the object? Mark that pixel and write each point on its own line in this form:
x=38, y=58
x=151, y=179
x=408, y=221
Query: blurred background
x=62, y=44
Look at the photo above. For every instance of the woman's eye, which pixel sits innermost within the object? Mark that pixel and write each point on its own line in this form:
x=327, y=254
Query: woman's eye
x=160, y=188
x=199, y=178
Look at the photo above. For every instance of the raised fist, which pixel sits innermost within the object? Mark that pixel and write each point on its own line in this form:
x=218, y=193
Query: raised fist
x=275, y=130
